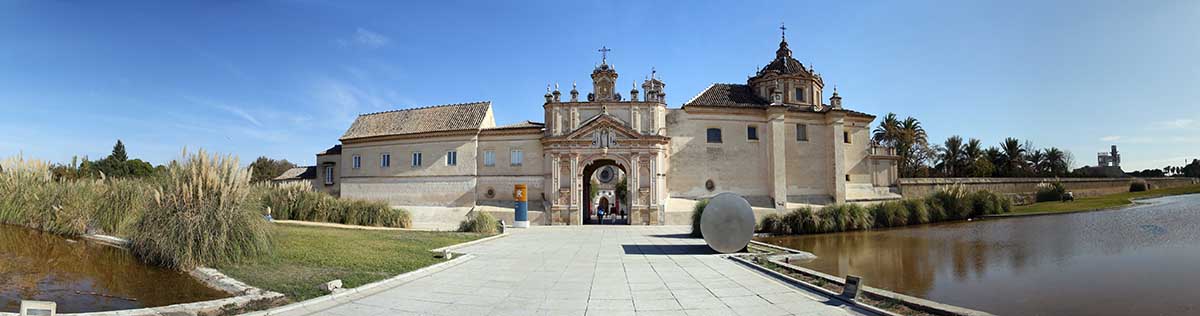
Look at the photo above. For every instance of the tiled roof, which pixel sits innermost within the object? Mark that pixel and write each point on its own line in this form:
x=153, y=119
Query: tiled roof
x=524, y=124
x=741, y=96
x=298, y=173
x=728, y=95
x=335, y=150
x=450, y=117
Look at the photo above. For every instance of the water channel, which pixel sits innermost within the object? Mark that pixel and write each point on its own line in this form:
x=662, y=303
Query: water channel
x=84, y=276
x=1142, y=260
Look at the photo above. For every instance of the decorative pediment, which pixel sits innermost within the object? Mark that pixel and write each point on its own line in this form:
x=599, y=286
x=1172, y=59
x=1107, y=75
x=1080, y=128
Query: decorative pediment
x=603, y=127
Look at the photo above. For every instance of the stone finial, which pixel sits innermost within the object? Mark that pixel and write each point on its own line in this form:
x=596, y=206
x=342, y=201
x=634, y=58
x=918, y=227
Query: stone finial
x=557, y=95
x=549, y=97
x=574, y=93
x=633, y=94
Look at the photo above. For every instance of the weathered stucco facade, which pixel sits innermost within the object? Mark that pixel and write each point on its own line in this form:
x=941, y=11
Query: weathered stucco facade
x=771, y=140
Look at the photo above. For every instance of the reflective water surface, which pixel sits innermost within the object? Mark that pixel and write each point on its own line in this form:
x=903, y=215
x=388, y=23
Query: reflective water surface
x=84, y=276
x=1143, y=260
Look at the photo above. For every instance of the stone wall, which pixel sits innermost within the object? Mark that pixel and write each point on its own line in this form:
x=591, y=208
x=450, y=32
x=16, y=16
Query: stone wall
x=1081, y=187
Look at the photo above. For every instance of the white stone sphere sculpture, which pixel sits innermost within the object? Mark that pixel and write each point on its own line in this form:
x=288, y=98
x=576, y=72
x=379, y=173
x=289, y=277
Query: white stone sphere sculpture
x=727, y=223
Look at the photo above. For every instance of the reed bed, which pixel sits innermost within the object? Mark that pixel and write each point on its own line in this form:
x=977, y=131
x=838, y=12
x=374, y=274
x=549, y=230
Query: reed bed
x=948, y=204
x=298, y=201
x=479, y=222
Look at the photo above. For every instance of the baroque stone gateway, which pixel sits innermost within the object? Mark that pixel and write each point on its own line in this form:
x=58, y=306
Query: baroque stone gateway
x=771, y=140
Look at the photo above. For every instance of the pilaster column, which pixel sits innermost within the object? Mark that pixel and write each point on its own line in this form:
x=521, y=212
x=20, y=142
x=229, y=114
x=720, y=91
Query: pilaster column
x=839, y=161
x=778, y=157
x=576, y=186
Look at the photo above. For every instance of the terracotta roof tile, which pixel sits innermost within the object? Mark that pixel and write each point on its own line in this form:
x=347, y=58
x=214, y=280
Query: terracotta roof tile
x=298, y=173
x=728, y=95
x=449, y=117
x=524, y=124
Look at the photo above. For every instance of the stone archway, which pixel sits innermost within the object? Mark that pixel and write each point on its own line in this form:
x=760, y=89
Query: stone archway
x=597, y=168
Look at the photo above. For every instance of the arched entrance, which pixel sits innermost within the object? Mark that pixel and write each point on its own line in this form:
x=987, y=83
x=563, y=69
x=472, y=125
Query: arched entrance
x=606, y=193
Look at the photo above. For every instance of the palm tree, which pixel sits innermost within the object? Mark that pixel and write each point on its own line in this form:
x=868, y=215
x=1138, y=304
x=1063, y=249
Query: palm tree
x=1013, y=157
x=913, y=133
x=888, y=131
x=1056, y=161
x=953, y=157
x=1036, y=161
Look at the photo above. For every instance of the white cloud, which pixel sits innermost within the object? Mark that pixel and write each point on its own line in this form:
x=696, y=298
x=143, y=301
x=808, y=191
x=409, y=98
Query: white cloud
x=241, y=113
x=1112, y=138
x=1177, y=124
x=366, y=38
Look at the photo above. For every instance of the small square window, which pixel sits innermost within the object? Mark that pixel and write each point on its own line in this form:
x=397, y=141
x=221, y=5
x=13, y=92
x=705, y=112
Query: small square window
x=801, y=132
x=385, y=160
x=451, y=158
x=752, y=132
x=846, y=137
x=714, y=135
x=356, y=161
x=847, y=178
x=416, y=159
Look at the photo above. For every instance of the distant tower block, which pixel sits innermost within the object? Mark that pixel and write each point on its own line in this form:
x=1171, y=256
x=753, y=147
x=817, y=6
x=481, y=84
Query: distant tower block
x=1109, y=159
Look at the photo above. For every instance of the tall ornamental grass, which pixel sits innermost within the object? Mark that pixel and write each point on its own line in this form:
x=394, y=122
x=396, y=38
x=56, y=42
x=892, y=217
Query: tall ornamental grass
x=951, y=203
x=298, y=201
x=30, y=197
x=479, y=222
x=201, y=215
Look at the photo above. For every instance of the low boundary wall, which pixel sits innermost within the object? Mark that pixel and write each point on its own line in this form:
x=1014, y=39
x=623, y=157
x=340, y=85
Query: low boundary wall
x=1024, y=187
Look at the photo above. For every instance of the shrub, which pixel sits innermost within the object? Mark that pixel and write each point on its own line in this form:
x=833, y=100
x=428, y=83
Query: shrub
x=918, y=212
x=772, y=223
x=800, y=221
x=843, y=217
x=480, y=222
x=697, y=214
x=1050, y=191
x=201, y=215
x=890, y=214
x=937, y=212
x=1139, y=186
x=955, y=202
x=300, y=202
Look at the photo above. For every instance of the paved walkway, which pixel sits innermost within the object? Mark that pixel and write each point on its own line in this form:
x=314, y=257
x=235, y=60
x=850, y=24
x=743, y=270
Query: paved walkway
x=590, y=270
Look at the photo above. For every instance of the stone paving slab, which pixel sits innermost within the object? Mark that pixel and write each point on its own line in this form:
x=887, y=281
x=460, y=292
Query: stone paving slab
x=590, y=270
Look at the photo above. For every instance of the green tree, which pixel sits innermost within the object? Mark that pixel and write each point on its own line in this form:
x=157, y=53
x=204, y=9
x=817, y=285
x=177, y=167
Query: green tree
x=265, y=169
x=953, y=157
x=1012, y=158
x=118, y=152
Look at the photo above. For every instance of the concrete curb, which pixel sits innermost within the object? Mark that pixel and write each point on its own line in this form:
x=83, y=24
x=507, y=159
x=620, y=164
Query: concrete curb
x=345, y=226
x=244, y=294
x=912, y=302
x=796, y=282
x=469, y=243
x=343, y=296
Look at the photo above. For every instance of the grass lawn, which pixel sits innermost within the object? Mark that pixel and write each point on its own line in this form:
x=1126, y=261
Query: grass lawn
x=1099, y=202
x=303, y=257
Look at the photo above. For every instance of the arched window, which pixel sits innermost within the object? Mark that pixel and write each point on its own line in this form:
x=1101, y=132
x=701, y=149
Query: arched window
x=714, y=135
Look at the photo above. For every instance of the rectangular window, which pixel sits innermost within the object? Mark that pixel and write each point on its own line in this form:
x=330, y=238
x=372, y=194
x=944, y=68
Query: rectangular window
x=752, y=132
x=489, y=158
x=385, y=160
x=516, y=157
x=847, y=178
x=356, y=161
x=416, y=159
x=799, y=95
x=714, y=135
x=846, y=137
x=801, y=132
x=328, y=175
x=451, y=158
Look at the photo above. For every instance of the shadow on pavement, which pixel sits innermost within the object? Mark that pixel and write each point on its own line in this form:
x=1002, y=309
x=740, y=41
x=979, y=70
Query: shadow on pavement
x=668, y=250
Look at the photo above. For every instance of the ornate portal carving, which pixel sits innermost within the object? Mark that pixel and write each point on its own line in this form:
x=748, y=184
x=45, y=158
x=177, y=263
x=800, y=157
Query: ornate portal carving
x=604, y=138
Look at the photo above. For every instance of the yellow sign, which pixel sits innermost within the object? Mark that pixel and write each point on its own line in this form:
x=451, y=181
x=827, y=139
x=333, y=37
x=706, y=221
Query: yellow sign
x=520, y=193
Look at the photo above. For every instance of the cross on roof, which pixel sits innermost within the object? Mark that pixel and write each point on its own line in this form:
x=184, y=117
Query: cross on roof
x=782, y=30
x=604, y=54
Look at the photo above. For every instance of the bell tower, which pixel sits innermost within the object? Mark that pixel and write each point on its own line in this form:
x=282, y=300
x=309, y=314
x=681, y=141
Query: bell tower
x=604, y=79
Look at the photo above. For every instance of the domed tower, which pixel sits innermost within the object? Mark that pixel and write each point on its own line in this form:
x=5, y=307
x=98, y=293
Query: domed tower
x=604, y=80
x=788, y=77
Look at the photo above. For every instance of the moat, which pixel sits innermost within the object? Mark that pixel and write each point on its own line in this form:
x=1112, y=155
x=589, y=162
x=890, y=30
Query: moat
x=1140, y=260
x=83, y=276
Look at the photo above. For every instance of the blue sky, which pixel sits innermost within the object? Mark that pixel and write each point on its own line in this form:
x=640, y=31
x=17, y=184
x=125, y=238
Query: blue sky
x=285, y=79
